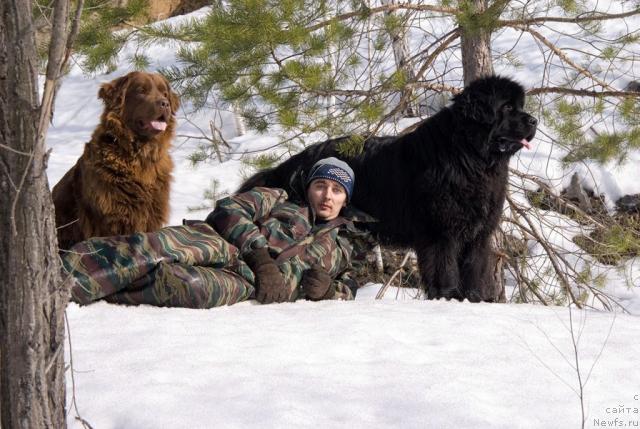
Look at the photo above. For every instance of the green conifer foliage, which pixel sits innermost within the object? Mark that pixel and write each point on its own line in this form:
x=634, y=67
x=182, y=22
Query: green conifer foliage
x=97, y=41
x=577, y=126
x=292, y=64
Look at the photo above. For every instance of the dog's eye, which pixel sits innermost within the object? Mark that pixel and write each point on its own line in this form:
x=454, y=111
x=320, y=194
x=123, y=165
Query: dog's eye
x=141, y=90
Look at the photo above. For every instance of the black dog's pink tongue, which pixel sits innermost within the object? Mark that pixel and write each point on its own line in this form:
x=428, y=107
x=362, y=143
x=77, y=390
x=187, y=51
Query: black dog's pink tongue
x=159, y=125
x=526, y=144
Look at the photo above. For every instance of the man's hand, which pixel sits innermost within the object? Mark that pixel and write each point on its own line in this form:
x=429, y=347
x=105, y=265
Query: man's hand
x=316, y=284
x=270, y=285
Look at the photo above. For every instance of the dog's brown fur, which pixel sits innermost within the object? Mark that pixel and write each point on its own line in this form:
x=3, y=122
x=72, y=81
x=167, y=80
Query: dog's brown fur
x=120, y=184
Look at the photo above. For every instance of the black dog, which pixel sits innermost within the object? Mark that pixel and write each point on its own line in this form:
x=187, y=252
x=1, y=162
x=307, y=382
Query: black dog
x=439, y=189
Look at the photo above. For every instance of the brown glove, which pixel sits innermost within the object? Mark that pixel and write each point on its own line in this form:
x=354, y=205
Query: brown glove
x=270, y=285
x=316, y=284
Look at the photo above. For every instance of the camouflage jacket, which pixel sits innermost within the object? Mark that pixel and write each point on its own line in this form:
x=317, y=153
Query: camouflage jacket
x=264, y=217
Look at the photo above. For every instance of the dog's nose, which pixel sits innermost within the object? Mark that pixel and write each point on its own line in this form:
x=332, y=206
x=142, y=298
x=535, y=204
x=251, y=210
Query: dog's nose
x=532, y=121
x=164, y=103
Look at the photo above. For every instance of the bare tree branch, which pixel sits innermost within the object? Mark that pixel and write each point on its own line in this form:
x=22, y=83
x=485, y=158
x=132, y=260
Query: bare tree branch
x=562, y=55
x=580, y=92
x=545, y=245
x=582, y=18
x=382, y=290
x=56, y=52
x=73, y=33
x=54, y=64
x=452, y=36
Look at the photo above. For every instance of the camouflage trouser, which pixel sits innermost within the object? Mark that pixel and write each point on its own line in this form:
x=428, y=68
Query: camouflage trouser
x=184, y=266
x=179, y=266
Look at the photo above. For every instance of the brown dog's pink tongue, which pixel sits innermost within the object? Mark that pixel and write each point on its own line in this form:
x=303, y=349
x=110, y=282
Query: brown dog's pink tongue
x=159, y=125
x=526, y=144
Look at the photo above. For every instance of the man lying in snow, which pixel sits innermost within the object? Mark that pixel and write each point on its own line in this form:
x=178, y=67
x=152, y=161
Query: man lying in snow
x=253, y=244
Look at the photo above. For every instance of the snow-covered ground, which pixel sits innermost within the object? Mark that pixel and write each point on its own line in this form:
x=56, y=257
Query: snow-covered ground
x=391, y=363
x=361, y=364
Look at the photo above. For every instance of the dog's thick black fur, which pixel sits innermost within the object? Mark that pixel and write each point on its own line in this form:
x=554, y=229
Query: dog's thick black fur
x=439, y=189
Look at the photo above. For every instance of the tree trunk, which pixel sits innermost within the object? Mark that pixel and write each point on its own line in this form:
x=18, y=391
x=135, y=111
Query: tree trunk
x=401, y=55
x=476, y=48
x=238, y=120
x=476, y=63
x=32, y=295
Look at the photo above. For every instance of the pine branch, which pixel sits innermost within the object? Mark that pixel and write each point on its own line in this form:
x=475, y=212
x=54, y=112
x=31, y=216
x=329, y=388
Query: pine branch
x=320, y=92
x=386, y=9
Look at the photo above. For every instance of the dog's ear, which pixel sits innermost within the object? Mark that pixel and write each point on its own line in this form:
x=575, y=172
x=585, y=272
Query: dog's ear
x=297, y=185
x=174, y=99
x=112, y=93
x=475, y=105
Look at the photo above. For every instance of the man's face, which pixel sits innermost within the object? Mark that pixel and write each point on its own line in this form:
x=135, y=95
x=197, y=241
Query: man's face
x=326, y=198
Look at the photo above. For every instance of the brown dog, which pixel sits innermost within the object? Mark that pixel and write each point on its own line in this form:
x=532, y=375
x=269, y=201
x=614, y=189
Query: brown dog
x=120, y=184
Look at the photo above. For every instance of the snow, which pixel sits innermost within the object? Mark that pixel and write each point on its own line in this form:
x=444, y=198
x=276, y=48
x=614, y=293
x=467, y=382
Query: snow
x=398, y=362
x=405, y=364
